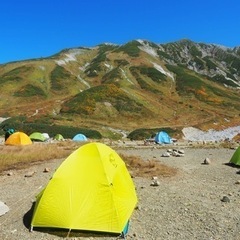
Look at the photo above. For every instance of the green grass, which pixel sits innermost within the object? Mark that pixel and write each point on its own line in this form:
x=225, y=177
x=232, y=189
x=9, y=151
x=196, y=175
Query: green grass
x=121, y=62
x=16, y=74
x=59, y=78
x=84, y=103
x=131, y=48
x=145, y=133
x=222, y=80
x=210, y=64
x=152, y=73
x=142, y=83
x=29, y=90
x=111, y=76
x=45, y=125
x=95, y=65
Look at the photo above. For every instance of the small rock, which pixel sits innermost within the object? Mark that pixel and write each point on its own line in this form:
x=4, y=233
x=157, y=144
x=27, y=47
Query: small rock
x=10, y=173
x=165, y=155
x=155, y=183
x=138, y=208
x=46, y=170
x=30, y=174
x=206, y=161
x=13, y=231
x=179, y=155
x=181, y=151
x=225, y=199
x=237, y=182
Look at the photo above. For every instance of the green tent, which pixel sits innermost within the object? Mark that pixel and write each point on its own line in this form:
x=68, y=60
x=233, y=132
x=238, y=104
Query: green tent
x=58, y=137
x=37, y=136
x=236, y=157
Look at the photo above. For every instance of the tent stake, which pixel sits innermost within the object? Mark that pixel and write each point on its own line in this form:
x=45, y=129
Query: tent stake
x=68, y=233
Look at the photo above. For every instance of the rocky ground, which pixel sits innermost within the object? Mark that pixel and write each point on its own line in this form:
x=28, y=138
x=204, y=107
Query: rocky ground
x=200, y=202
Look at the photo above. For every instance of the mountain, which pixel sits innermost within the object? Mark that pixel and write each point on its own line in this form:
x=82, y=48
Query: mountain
x=139, y=84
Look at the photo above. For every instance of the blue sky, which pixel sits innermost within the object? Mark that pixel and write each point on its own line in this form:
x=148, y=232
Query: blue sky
x=40, y=28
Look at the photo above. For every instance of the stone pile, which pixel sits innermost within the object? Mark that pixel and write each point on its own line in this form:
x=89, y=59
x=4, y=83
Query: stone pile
x=174, y=153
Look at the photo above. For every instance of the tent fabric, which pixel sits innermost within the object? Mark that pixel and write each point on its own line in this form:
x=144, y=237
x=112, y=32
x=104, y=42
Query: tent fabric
x=91, y=190
x=162, y=137
x=46, y=136
x=37, y=136
x=18, y=138
x=58, y=137
x=235, y=159
x=8, y=132
x=80, y=137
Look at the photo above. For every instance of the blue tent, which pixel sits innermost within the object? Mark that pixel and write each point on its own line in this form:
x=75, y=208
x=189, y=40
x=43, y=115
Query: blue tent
x=80, y=137
x=162, y=137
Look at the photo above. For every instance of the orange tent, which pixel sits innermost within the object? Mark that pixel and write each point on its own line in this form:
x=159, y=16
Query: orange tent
x=18, y=138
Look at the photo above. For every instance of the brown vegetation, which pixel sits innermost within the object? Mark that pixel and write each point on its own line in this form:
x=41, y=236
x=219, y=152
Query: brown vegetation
x=140, y=168
x=17, y=157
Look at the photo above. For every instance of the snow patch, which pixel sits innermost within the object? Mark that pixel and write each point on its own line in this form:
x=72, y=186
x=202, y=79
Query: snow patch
x=83, y=81
x=230, y=79
x=160, y=69
x=70, y=56
x=110, y=44
x=83, y=68
x=125, y=76
x=108, y=66
x=147, y=48
x=194, y=134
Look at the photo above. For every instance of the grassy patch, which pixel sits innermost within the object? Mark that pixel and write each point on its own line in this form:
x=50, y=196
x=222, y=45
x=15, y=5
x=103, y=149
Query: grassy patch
x=111, y=76
x=142, y=83
x=147, y=168
x=60, y=78
x=121, y=62
x=17, y=74
x=152, y=73
x=145, y=133
x=130, y=48
x=95, y=65
x=222, y=80
x=29, y=90
x=210, y=64
x=45, y=125
x=19, y=157
x=84, y=103
x=188, y=85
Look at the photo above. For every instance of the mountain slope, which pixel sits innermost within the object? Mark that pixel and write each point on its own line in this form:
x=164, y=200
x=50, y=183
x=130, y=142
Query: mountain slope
x=138, y=84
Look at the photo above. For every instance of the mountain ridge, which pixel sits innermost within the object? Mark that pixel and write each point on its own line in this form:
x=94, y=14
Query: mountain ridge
x=140, y=83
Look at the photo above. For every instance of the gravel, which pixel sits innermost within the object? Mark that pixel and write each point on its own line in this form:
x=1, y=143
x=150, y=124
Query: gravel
x=187, y=206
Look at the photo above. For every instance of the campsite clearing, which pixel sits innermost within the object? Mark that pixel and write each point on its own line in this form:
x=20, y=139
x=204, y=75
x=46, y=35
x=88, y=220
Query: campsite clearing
x=188, y=205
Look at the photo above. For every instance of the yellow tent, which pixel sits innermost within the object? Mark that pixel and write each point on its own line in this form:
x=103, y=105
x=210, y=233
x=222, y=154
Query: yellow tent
x=18, y=138
x=91, y=190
